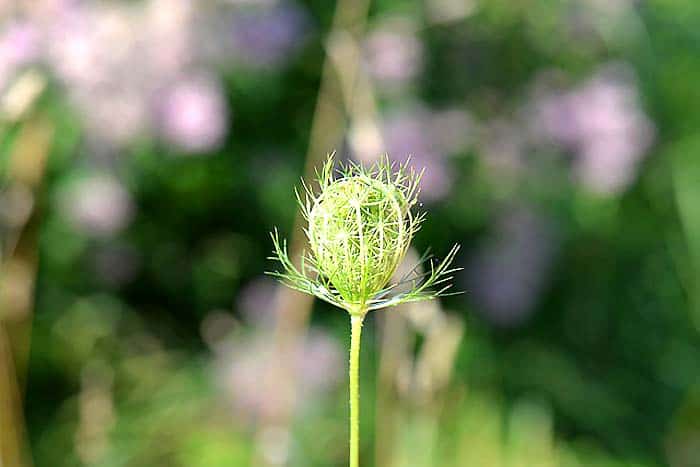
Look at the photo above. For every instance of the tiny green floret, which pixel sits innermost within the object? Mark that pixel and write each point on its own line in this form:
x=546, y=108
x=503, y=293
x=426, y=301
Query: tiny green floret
x=360, y=225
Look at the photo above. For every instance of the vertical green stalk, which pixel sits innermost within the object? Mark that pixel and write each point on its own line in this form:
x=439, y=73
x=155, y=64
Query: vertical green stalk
x=355, y=334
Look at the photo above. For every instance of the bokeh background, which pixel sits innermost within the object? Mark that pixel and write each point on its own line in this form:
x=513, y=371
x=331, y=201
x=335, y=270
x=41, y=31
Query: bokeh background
x=148, y=147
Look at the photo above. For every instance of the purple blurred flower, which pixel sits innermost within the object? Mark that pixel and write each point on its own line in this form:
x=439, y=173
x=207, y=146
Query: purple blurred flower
x=394, y=53
x=408, y=133
x=98, y=53
x=507, y=274
x=240, y=371
x=114, y=45
x=113, y=117
x=268, y=37
x=98, y=205
x=603, y=124
x=193, y=114
x=117, y=59
x=256, y=301
x=170, y=22
x=113, y=63
x=20, y=44
x=427, y=136
x=242, y=366
x=321, y=365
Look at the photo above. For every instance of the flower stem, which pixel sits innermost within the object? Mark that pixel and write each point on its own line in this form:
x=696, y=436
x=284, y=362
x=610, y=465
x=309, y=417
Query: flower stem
x=355, y=334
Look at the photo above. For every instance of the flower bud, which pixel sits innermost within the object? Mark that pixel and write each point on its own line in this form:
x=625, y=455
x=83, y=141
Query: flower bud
x=359, y=230
x=360, y=227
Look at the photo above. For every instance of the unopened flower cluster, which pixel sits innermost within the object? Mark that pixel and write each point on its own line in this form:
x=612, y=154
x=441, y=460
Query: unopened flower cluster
x=360, y=225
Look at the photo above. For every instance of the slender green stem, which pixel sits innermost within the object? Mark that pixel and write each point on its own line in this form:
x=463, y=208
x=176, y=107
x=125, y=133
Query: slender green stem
x=355, y=334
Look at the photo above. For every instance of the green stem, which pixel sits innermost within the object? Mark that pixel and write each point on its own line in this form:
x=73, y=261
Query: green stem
x=355, y=334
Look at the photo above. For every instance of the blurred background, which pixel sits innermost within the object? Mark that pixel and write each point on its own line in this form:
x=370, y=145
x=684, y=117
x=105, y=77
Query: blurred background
x=148, y=147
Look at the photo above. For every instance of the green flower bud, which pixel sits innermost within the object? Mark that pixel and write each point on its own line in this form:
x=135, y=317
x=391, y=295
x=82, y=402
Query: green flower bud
x=359, y=230
x=360, y=225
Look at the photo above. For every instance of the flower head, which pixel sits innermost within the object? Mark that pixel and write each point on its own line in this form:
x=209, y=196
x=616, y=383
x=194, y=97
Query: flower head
x=360, y=226
x=193, y=114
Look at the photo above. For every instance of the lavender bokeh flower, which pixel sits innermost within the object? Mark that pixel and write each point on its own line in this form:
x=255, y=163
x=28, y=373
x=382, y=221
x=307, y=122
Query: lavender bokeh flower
x=241, y=365
x=408, y=133
x=238, y=370
x=243, y=358
x=193, y=114
x=20, y=41
x=322, y=363
x=118, y=92
x=427, y=136
x=110, y=90
x=171, y=22
x=507, y=274
x=394, y=53
x=128, y=67
x=97, y=205
x=268, y=37
x=256, y=301
x=19, y=46
x=602, y=123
